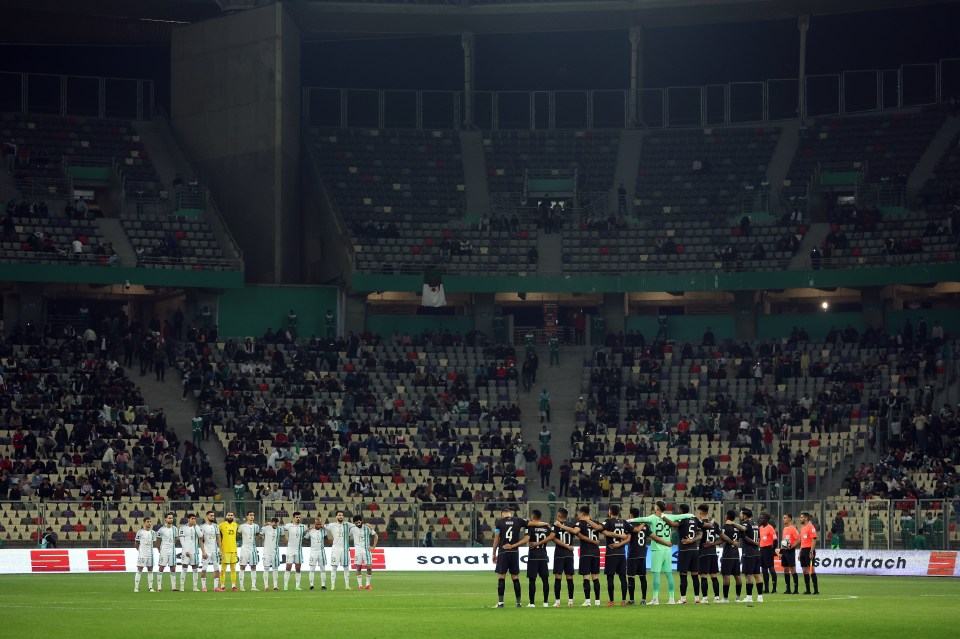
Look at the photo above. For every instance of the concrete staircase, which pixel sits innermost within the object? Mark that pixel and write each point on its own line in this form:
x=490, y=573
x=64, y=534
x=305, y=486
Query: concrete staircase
x=563, y=383
x=474, y=173
x=628, y=159
x=549, y=253
x=815, y=236
x=8, y=188
x=923, y=170
x=165, y=153
x=113, y=233
x=782, y=157
x=166, y=395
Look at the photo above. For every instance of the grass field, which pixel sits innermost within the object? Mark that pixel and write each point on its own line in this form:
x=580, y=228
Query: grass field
x=457, y=604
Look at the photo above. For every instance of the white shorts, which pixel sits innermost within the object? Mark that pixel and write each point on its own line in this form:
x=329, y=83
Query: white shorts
x=317, y=559
x=271, y=558
x=362, y=558
x=213, y=559
x=168, y=558
x=189, y=559
x=293, y=556
x=248, y=557
x=145, y=562
x=337, y=559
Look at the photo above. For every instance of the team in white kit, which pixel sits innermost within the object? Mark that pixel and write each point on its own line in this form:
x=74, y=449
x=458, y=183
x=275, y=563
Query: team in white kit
x=201, y=546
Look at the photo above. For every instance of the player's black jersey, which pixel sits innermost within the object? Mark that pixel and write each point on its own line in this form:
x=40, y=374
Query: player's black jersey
x=711, y=534
x=564, y=537
x=729, y=550
x=510, y=530
x=538, y=532
x=639, y=540
x=752, y=533
x=689, y=529
x=587, y=549
x=617, y=525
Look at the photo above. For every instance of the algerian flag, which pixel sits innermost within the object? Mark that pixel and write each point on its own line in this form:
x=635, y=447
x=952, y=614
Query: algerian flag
x=433, y=289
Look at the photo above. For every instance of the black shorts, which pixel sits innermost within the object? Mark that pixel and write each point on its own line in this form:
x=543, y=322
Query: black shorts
x=730, y=566
x=751, y=565
x=637, y=566
x=589, y=565
x=538, y=568
x=563, y=565
x=788, y=558
x=806, y=557
x=708, y=564
x=615, y=565
x=766, y=557
x=508, y=562
x=688, y=560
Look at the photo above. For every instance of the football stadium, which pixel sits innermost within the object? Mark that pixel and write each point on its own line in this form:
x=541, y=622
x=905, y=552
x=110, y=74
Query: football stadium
x=473, y=307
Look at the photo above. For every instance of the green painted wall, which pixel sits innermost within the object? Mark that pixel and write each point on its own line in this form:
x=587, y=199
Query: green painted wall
x=655, y=281
x=251, y=310
x=686, y=328
x=948, y=318
x=76, y=274
x=413, y=324
x=817, y=324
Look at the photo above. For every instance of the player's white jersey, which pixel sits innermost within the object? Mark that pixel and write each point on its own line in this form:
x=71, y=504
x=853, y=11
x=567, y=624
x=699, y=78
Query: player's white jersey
x=146, y=539
x=295, y=533
x=190, y=540
x=340, y=550
x=248, y=546
x=271, y=546
x=248, y=535
x=318, y=551
x=168, y=544
x=362, y=542
x=210, y=533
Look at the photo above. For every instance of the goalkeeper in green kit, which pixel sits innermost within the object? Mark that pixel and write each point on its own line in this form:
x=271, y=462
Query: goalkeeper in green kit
x=661, y=550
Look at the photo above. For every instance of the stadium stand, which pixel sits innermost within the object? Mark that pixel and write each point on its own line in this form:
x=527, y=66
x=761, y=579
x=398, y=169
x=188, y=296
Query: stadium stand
x=47, y=146
x=34, y=234
x=77, y=437
x=402, y=195
x=592, y=154
x=883, y=147
x=417, y=420
x=697, y=173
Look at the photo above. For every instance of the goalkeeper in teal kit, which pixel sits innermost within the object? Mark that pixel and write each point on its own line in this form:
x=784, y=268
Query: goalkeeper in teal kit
x=661, y=550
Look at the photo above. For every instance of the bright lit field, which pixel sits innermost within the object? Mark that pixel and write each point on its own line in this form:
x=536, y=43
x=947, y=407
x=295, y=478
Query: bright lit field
x=457, y=605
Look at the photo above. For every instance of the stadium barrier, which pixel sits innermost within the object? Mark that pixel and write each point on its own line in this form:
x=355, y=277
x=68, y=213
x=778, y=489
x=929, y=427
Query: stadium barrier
x=876, y=524
x=884, y=563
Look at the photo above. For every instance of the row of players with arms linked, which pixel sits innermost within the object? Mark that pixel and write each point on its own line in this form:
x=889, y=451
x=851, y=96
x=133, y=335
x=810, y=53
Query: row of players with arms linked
x=211, y=545
x=627, y=541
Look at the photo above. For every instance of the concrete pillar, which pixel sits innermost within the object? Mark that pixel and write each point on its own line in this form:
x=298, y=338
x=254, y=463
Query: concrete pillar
x=745, y=309
x=469, y=54
x=803, y=23
x=484, y=308
x=240, y=73
x=871, y=298
x=355, y=313
x=636, y=74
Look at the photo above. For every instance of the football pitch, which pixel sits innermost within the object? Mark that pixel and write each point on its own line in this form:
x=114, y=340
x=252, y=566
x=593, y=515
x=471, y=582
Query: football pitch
x=458, y=604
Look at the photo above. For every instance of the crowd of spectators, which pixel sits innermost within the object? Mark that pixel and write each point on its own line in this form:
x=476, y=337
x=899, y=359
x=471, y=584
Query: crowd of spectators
x=298, y=413
x=77, y=423
x=659, y=408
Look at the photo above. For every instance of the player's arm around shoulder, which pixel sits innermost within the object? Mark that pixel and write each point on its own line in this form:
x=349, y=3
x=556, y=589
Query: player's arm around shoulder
x=593, y=524
x=565, y=528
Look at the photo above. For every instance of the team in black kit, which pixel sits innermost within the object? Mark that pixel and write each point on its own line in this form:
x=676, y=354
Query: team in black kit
x=740, y=540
